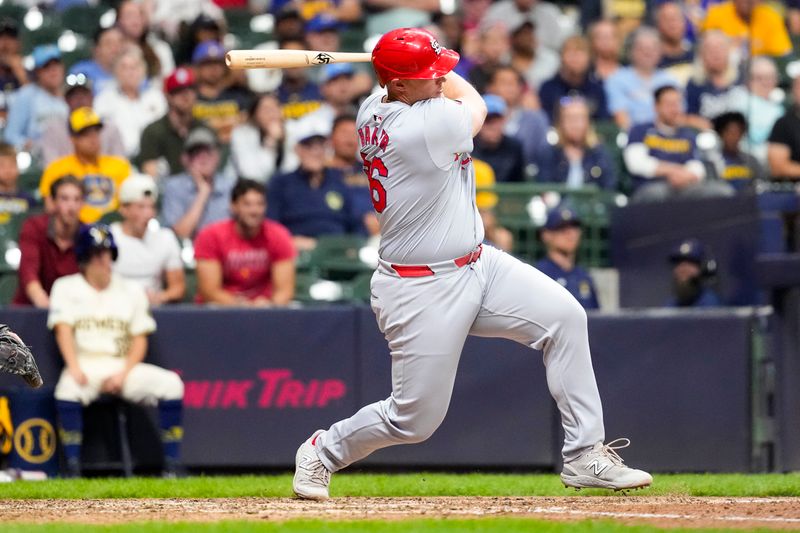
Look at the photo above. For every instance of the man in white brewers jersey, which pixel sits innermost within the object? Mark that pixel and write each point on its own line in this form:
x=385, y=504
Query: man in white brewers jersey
x=436, y=284
x=101, y=323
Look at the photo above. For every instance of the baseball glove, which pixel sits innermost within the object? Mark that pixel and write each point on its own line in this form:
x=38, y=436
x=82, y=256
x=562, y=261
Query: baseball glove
x=16, y=358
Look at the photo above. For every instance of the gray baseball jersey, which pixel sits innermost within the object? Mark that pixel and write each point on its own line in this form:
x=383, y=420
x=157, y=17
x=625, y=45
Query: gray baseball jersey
x=421, y=178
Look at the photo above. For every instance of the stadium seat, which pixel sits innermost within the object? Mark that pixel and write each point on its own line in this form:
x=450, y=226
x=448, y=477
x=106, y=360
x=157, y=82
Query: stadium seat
x=8, y=284
x=337, y=257
x=83, y=19
x=191, y=285
x=29, y=181
x=110, y=217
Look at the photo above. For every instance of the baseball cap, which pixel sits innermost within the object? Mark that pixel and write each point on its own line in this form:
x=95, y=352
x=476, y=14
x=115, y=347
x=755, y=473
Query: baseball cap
x=561, y=217
x=137, y=187
x=310, y=129
x=688, y=250
x=44, y=54
x=77, y=81
x=322, y=22
x=200, y=137
x=495, y=105
x=181, y=78
x=83, y=118
x=208, y=51
x=335, y=70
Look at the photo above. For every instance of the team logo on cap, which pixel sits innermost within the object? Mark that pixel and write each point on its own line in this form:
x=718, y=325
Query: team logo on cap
x=436, y=46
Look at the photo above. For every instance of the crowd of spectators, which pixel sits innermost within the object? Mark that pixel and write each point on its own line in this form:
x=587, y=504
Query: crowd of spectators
x=152, y=130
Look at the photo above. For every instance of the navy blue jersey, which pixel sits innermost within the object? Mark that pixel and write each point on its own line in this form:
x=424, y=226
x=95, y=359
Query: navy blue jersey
x=676, y=146
x=741, y=171
x=577, y=281
x=710, y=101
x=296, y=104
x=598, y=167
x=553, y=90
x=706, y=298
x=311, y=212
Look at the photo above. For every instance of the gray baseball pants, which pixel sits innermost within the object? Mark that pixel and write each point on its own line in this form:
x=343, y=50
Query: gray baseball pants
x=426, y=321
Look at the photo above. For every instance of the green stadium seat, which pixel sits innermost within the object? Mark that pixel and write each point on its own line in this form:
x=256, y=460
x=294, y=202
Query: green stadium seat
x=111, y=217
x=29, y=181
x=191, y=285
x=8, y=284
x=83, y=19
x=238, y=20
x=336, y=257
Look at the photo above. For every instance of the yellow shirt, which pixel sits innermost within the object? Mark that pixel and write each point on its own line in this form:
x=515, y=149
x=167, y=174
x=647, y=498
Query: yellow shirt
x=484, y=178
x=767, y=32
x=101, y=182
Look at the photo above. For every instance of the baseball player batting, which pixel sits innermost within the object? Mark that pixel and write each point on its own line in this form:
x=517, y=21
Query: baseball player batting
x=436, y=283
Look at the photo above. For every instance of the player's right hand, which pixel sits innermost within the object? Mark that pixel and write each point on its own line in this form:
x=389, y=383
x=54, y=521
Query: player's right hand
x=78, y=375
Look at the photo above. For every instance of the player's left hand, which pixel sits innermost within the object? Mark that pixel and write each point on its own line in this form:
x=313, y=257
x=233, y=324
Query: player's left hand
x=113, y=384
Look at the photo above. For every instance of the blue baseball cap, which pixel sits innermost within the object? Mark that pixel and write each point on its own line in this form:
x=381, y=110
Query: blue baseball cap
x=45, y=53
x=688, y=250
x=322, y=22
x=495, y=105
x=561, y=217
x=208, y=51
x=335, y=70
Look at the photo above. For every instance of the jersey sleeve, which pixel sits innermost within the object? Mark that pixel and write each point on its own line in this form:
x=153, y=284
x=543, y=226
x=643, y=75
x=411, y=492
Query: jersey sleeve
x=447, y=128
x=60, y=311
x=281, y=244
x=142, y=322
x=206, y=244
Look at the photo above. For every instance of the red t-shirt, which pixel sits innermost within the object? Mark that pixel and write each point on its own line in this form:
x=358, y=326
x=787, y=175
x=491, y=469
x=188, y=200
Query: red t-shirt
x=41, y=258
x=246, y=263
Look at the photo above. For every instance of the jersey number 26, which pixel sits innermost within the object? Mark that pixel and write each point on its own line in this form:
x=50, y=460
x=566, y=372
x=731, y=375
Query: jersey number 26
x=376, y=190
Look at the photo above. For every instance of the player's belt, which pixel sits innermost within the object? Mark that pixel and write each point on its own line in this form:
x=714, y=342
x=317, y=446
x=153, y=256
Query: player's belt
x=421, y=271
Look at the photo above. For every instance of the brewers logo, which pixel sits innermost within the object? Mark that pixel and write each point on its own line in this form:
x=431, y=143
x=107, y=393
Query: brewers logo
x=35, y=440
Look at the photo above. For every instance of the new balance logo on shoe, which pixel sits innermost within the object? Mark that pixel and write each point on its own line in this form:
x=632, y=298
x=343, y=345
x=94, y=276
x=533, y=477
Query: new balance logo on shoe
x=597, y=468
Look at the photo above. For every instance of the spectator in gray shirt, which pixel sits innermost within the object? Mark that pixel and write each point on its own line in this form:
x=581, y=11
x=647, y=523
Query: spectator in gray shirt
x=201, y=194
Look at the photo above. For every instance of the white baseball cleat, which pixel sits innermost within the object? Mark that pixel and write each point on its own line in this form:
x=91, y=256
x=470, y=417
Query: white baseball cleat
x=311, y=478
x=602, y=467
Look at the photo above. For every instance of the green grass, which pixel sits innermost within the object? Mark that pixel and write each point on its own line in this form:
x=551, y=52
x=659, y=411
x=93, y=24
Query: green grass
x=418, y=484
x=496, y=525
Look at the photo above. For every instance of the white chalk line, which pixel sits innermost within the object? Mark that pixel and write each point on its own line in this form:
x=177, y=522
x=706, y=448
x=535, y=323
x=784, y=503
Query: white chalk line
x=671, y=516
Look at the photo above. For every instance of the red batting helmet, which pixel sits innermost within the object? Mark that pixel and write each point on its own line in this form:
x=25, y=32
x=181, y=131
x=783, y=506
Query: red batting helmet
x=411, y=54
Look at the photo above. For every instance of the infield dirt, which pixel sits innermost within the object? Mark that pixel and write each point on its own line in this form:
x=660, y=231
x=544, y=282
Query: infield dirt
x=665, y=511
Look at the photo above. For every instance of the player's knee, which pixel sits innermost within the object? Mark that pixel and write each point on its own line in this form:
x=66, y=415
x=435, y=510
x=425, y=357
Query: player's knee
x=573, y=315
x=171, y=387
x=419, y=427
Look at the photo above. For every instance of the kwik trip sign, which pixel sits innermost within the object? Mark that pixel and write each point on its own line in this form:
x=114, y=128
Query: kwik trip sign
x=272, y=388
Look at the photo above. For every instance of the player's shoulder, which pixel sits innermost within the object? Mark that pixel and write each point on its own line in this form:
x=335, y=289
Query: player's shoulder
x=70, y=282
x=274, y=228
x=367, y=107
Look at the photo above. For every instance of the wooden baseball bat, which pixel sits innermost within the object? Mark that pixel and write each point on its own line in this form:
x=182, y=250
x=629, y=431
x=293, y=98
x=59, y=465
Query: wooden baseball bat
x=290, y=58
